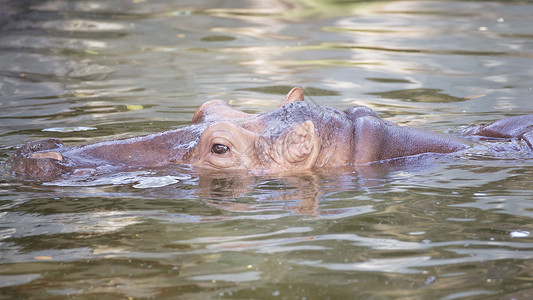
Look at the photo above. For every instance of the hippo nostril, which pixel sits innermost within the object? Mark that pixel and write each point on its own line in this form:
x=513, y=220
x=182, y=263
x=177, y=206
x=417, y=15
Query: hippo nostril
x=52, y=154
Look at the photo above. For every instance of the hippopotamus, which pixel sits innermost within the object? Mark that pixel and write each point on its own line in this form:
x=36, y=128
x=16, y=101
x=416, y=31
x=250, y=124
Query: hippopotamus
x=296, y=137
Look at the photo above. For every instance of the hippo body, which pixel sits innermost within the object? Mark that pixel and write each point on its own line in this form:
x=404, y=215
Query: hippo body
x=296, y=137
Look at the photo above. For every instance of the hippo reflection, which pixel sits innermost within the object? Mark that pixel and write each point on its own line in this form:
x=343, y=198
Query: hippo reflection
x=296, y=137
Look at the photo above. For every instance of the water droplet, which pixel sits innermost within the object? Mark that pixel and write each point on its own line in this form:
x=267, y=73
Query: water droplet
x=68, y=129
x=519, y=233
x=154, y=182
x=430, y=280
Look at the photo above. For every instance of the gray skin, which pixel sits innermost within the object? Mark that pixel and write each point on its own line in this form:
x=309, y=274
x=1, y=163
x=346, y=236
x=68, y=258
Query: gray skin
x=297, y=137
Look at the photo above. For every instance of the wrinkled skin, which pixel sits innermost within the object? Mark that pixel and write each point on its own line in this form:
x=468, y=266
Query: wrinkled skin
x=296, y=137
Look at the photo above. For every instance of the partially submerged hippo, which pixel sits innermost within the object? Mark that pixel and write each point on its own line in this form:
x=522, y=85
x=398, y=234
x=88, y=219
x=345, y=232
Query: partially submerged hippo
x=296, y=137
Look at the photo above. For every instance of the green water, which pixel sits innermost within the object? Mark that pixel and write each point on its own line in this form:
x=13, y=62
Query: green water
x=450, y=227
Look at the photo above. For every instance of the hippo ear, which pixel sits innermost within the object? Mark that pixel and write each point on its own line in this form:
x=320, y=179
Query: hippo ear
x=302, y=145
x=296, y=94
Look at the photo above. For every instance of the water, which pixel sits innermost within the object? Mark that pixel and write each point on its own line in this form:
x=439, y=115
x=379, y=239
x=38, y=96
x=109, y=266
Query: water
x=451, y=227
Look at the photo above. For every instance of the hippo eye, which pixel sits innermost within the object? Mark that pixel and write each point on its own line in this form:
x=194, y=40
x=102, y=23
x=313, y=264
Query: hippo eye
x=219, y=149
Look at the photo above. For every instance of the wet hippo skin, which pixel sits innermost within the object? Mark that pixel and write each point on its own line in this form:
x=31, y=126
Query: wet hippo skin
x=296, y=137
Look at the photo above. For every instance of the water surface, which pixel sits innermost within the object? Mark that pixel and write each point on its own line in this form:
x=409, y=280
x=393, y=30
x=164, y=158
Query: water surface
x=447, y=227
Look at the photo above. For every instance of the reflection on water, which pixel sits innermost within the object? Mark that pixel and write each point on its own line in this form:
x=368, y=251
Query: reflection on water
x=450, y=227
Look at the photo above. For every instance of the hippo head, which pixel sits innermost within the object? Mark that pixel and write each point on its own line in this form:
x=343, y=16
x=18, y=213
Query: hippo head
x=292, y=138
x=295, y=137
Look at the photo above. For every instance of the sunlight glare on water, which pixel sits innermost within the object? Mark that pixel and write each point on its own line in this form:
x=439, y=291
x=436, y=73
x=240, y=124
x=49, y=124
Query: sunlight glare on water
x=435, y=227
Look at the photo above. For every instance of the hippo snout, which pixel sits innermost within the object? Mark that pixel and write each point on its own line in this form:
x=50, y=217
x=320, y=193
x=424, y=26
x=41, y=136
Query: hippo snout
x=34, y=161
x=41, y=145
